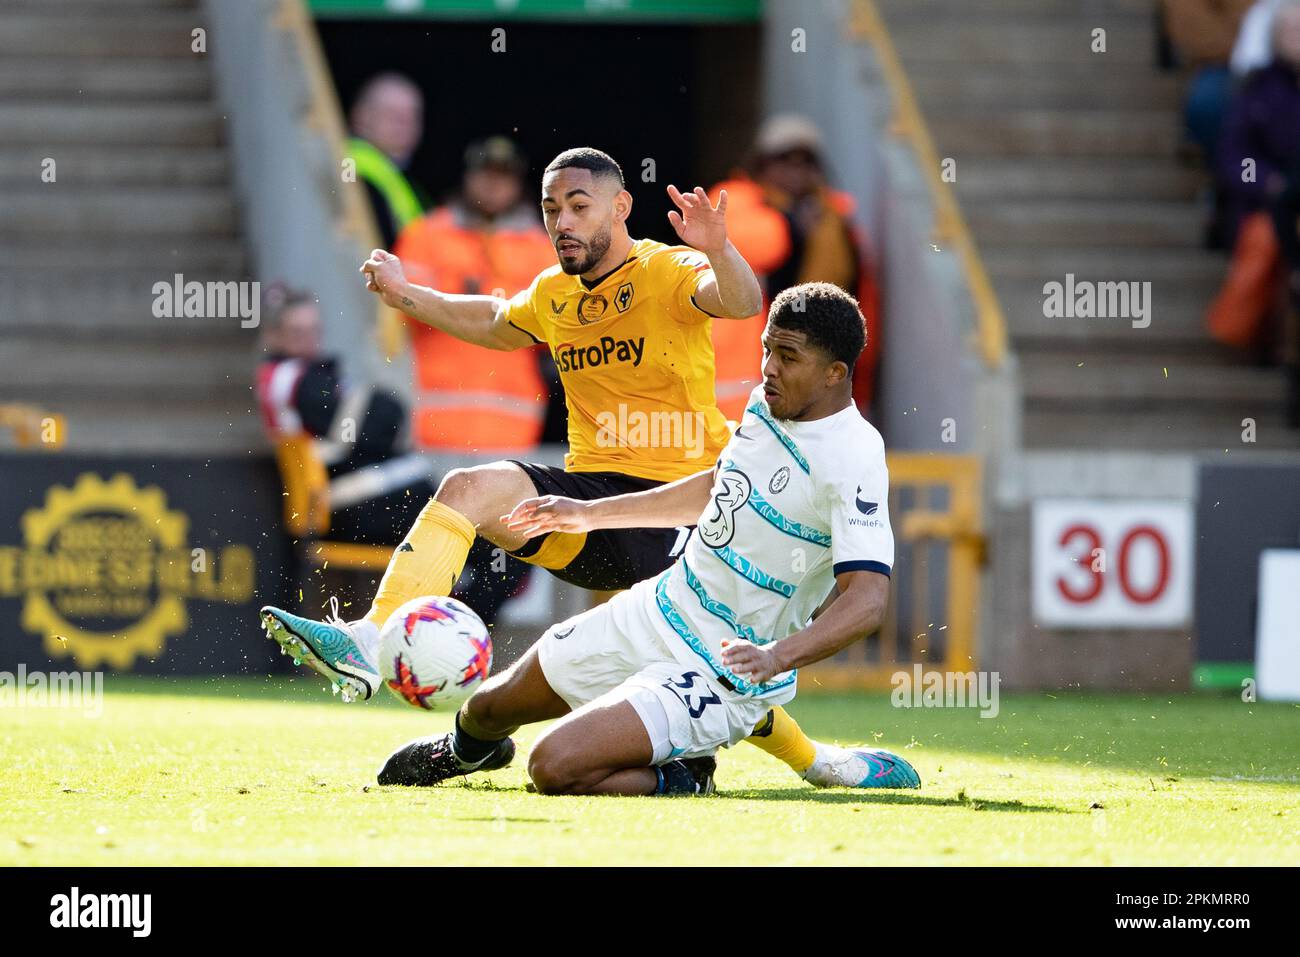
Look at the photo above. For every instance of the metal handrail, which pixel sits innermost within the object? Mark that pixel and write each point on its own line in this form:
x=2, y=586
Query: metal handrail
x=950, y=225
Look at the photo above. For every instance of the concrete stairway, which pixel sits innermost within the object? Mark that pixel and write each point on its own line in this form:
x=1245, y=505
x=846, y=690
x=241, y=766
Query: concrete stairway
x=1066, y=163
x=110, y=90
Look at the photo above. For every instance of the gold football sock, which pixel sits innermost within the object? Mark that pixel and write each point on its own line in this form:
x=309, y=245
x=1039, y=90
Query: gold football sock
x=428, y=561
x=780, y=736
x=555, y=551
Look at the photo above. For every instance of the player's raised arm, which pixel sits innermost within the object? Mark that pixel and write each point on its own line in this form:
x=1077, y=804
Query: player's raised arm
x=667, y=506
x=732, y=291
x=476, y=319
x=855, y=612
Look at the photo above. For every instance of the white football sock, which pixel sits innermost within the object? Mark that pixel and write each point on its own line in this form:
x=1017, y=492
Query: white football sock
x=366, y=634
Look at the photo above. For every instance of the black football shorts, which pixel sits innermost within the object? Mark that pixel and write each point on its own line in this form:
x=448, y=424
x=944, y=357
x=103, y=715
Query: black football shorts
x=610, y=559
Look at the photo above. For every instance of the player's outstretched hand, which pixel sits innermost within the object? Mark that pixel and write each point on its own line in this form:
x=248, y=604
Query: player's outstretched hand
x=750, y=661
x=549, y=513
x=384, y=275
x=700, y=223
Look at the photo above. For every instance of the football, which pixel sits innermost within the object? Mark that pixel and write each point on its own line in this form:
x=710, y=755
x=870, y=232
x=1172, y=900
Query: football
x=434, y=652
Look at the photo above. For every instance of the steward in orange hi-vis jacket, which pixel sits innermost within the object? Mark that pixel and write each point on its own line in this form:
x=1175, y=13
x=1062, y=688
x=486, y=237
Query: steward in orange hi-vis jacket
x=469, y=398
x=791, y=227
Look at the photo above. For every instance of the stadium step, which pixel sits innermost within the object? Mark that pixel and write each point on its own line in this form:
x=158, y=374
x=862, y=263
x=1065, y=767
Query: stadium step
x=119, y=302
x=1050, y=40
x=55, y=369
x=117, y=165
x=1102, y=223
x=1112, y=380
x=1176, y=309
x=1220, y=431
x=215, y=255
x=55, y=124
x=1094, y=178
x=98, y=30
x=1068, y=86
x=121, y=210
x=1058, y=133
x=1021, y=262
x=77, y=79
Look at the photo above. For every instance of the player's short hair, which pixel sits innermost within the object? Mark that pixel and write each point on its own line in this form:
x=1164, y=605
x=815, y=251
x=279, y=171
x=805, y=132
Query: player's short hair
x=826, y=314
x=588, y=158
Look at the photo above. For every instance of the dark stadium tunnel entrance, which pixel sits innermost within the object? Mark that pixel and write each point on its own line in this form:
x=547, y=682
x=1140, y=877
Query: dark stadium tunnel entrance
x=680, y=95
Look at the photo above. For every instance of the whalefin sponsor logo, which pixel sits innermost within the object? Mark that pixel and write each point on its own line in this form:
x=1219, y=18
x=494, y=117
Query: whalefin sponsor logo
x=868, y=508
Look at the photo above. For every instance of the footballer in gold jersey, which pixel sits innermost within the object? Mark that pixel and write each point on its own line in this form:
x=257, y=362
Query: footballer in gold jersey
x=628, y=324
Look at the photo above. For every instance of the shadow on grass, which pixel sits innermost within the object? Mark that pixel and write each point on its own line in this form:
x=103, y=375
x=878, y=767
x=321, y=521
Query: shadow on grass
x=905, y=798
x=293, y=689
x=841, y=796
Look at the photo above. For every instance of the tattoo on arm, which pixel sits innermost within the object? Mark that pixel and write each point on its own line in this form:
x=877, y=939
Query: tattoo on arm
x=407, y=301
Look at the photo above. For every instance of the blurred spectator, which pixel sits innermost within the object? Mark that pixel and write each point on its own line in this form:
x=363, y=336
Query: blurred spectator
x=376, y=489
x=791, y=227
x=387, y=121
x=300, y=390
x=1202, y=33
x=1260, y=151
x=1261, y=138
x=486, y=238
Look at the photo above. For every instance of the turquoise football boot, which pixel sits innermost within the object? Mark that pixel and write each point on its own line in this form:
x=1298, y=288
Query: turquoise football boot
x=837, y=767
x=328, y=647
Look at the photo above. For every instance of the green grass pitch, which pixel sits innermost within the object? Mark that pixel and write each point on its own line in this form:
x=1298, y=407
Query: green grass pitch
x=272, y=772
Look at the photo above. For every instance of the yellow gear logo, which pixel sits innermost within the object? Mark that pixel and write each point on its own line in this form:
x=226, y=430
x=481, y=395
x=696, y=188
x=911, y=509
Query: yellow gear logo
x=105, y=550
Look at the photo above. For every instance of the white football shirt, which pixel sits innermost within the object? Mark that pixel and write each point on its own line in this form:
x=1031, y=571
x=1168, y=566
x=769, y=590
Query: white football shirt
x=793, y=505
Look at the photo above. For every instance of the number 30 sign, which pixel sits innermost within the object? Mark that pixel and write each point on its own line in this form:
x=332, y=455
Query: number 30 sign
x=1112, y=564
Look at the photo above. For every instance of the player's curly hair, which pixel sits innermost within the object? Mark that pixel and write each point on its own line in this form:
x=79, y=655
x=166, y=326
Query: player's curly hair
x=826, y=314
x=588, y=158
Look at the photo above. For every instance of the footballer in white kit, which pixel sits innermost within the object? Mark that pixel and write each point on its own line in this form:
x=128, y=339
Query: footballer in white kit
x=792, y=505
x=788, y=563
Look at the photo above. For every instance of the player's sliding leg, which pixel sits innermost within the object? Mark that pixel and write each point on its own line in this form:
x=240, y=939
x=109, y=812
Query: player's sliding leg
x=780, y=736
x=605, y=747
x=481, y=739
x=826, y=765
x=427, y=562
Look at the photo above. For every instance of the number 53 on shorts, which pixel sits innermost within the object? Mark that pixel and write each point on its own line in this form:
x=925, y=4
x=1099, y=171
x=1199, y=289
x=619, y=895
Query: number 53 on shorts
x=695, y=701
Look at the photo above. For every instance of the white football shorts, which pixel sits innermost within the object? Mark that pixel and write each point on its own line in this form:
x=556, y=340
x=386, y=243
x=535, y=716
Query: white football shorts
x=614, y=651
